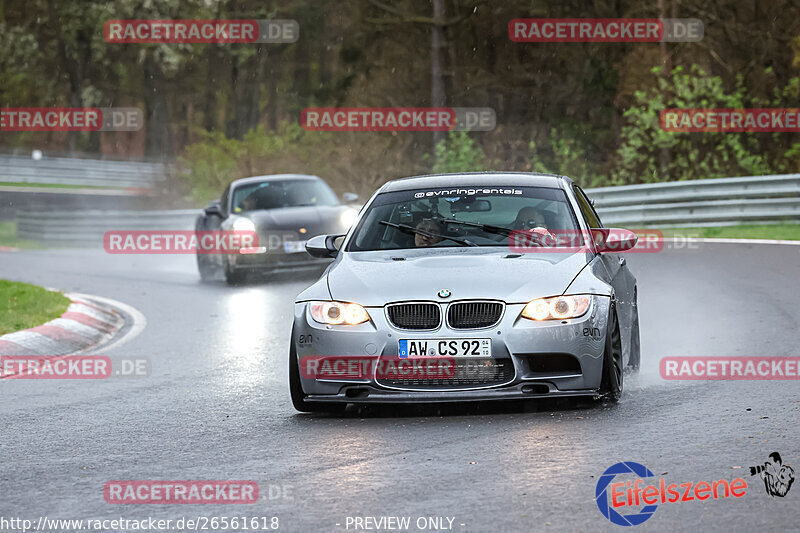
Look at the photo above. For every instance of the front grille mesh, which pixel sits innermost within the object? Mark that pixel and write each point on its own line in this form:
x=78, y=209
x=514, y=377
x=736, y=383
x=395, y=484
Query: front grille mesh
x=414, y=315
x=471, y=315
x=469, y=373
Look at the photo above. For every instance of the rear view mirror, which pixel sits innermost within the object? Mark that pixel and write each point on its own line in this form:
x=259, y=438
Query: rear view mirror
x=324, y=245
x=474, y=206
x=614, y=239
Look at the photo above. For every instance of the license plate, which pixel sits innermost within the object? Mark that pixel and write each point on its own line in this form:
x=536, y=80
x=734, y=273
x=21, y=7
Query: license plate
x=293, y=247
x=444, y=348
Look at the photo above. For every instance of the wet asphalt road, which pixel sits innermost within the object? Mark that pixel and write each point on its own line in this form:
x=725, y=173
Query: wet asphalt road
x=217, y=407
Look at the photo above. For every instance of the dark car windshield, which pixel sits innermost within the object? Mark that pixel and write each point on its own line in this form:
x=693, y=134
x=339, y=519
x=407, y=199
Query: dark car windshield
x=483, y=216
x=284, y=193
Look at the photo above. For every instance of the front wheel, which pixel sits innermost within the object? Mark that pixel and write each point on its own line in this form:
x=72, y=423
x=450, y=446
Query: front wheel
x=611, y=381
x=636, y=350
x=206, y=267
x=233, y=277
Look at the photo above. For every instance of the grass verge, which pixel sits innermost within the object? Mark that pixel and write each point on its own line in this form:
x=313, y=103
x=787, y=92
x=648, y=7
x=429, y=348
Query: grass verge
x=8, y=237
x=24, y=306
x=783, y=232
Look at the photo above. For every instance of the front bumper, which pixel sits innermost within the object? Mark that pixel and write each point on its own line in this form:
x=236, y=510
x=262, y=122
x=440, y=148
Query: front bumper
x=273, y=261
x=549, y=358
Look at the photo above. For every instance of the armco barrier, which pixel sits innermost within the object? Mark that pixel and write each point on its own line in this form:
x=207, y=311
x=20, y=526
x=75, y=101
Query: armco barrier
x=86, y=228
x=72, y=171
x=725, y=201
x=710, y=202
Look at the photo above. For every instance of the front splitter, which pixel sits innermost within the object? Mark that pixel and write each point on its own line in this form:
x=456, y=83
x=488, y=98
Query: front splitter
x=371, y=394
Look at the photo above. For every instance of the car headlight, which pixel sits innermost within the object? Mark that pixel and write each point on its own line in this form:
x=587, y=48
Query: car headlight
x=338, y=313
x=347, y=217
x=557, y=308
x=243, y=224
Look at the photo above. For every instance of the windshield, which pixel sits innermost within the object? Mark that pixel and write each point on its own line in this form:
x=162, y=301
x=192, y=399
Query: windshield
x=480, y=216
x=277, y=194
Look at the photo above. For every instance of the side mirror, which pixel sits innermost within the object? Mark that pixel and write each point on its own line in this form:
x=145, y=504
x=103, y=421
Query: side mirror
x=349, y=197
x=614, y=239
x=214, y=208
x=324, y=245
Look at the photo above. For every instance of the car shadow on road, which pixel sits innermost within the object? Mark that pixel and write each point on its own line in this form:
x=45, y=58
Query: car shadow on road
x=256, y=279
x=501, y=407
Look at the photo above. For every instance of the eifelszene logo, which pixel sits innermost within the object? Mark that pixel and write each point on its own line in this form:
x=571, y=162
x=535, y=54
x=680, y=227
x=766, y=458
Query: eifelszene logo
x=634, y=493
x=777, y=477
x=602, y=498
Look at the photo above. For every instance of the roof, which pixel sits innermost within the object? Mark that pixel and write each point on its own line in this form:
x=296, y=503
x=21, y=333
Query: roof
x=274, y=177
x=477, y=179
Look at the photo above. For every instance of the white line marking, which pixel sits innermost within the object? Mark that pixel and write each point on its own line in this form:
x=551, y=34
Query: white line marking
x=745, y=241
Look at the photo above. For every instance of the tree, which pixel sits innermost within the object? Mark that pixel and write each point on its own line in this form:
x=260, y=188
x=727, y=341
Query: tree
x=693, y=155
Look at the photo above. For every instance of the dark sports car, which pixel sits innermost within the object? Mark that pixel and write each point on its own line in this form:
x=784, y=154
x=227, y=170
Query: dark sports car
x=285, y=210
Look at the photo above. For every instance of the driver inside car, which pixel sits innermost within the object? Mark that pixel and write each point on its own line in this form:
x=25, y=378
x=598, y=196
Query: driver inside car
x=531, y=220
x=430, y=225
x=530, y=217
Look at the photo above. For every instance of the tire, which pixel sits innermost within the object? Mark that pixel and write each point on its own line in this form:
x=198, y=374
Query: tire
x=612, y=381
x=206, y=267
x=299, y=397
x=636, y=350
x=233, y=277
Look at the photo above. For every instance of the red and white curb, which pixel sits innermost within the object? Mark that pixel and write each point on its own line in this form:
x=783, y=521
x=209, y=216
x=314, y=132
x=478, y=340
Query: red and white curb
x=88, y=322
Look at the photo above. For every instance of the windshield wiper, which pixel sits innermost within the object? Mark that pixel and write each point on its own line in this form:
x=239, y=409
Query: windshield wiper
x=488, y=228
x=410, y=229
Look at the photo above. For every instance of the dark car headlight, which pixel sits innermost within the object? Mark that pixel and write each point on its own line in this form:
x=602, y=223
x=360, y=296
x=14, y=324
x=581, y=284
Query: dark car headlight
x=557, y=308
x=243, y=224
x=347, y=217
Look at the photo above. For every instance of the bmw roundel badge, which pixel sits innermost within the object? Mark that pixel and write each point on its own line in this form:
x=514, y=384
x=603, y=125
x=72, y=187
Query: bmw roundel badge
x=444, y=293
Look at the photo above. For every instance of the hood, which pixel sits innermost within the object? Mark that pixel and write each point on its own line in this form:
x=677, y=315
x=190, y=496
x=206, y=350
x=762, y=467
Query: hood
x=377, y=278
x=291, y=218
x=286, y=222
